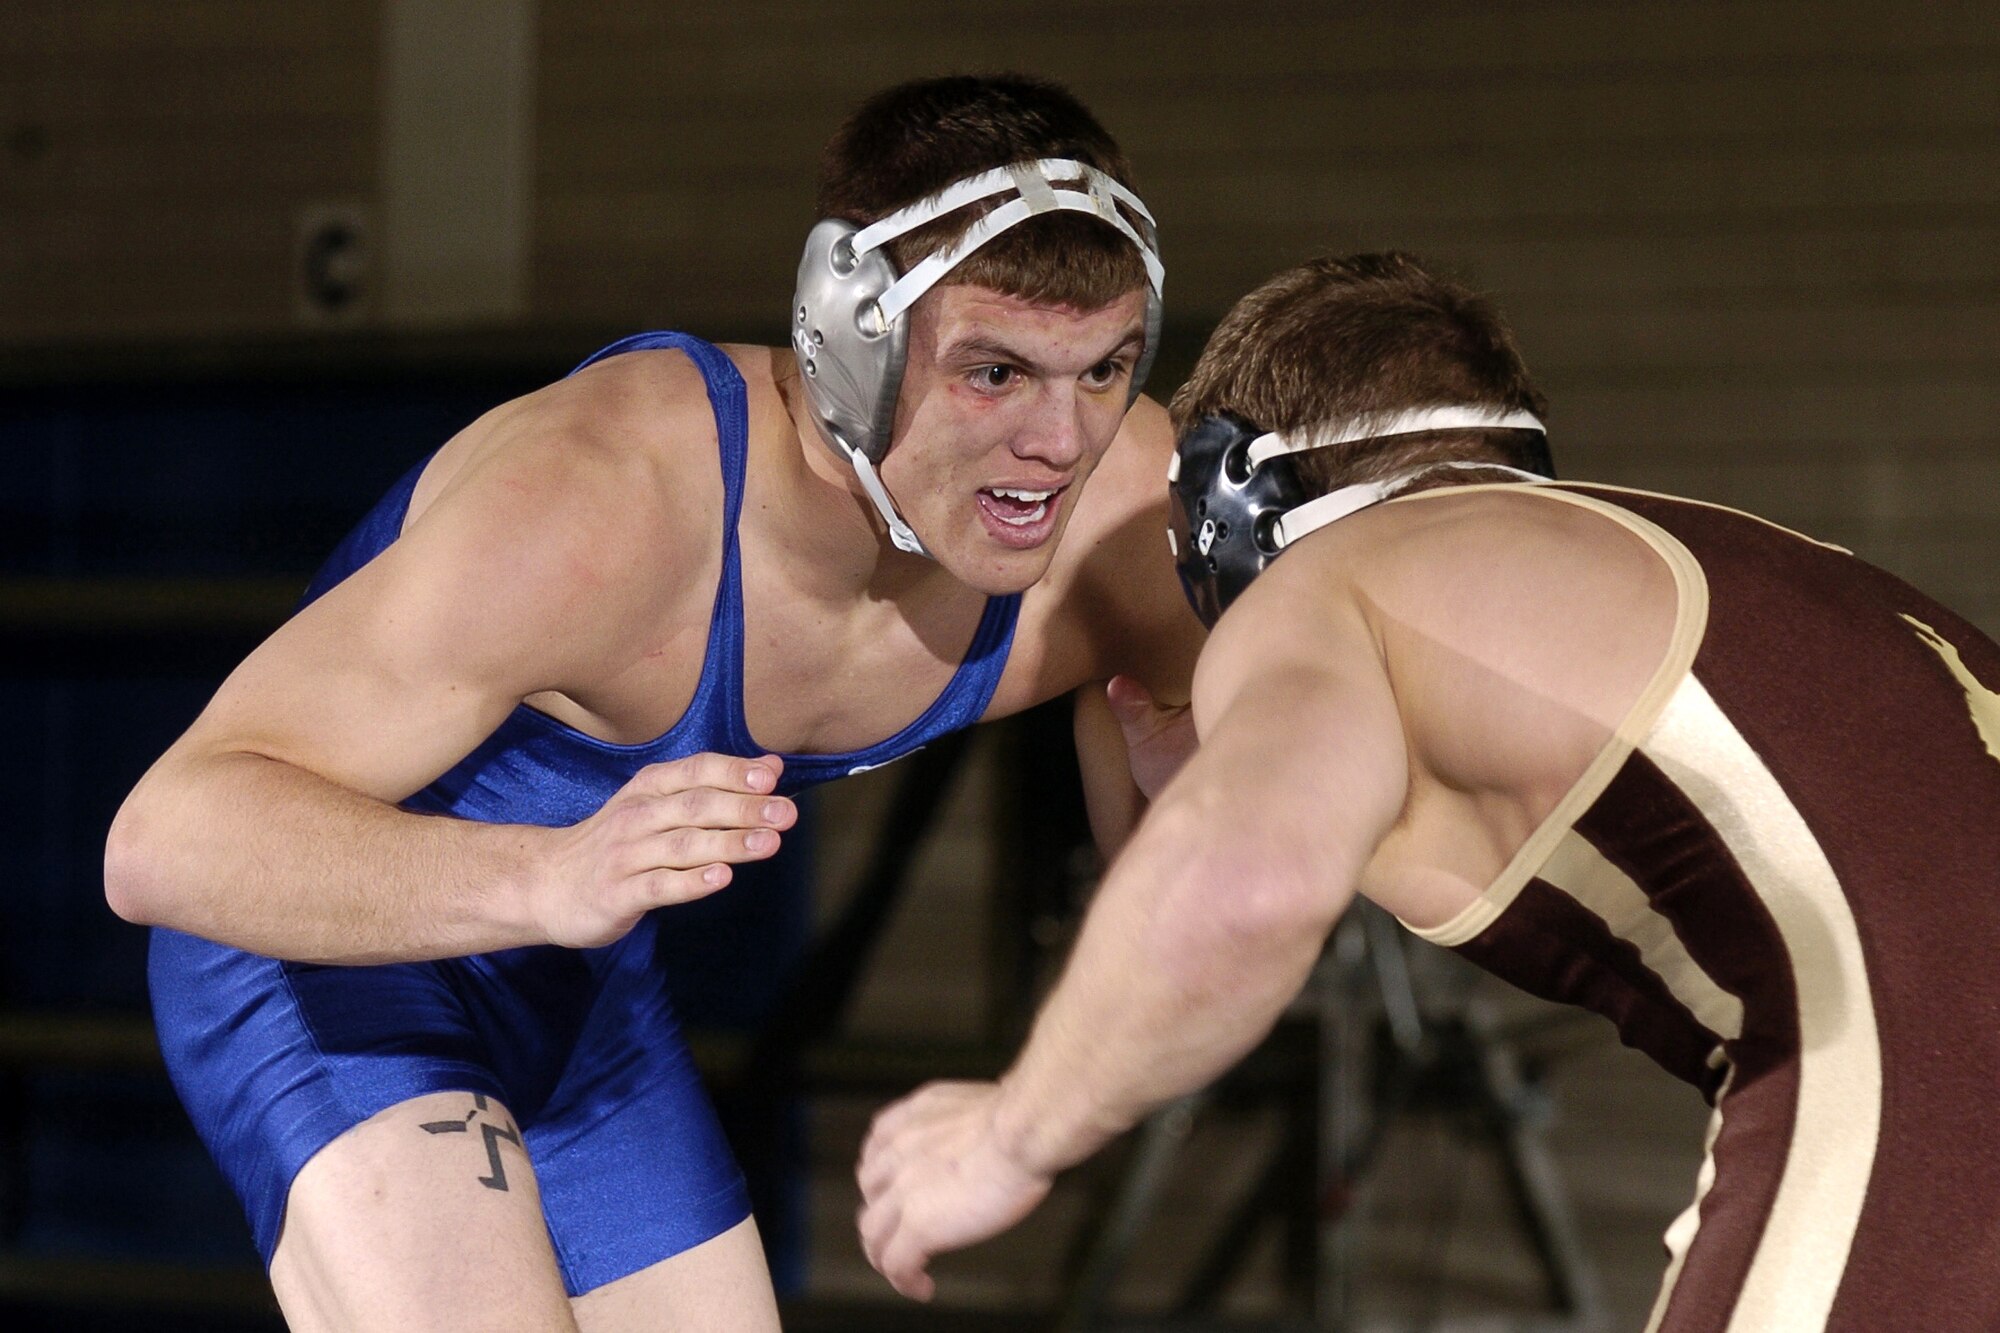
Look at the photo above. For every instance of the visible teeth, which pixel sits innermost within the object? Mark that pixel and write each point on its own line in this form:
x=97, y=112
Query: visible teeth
x=1024, y=520
x=1030, y=497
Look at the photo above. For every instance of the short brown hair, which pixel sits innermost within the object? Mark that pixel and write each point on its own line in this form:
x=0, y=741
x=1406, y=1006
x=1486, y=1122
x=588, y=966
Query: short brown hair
x=911, y=141
x=1334, y=343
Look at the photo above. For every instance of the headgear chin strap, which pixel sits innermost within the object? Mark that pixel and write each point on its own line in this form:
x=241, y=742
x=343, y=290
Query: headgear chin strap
x=849, y=325
x=1235, y=501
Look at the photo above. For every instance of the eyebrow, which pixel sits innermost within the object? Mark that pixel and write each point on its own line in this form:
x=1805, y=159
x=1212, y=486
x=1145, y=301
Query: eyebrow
x=979, y=346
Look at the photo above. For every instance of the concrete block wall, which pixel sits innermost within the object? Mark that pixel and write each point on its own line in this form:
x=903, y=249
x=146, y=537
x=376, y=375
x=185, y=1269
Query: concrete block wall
x=1752, y=246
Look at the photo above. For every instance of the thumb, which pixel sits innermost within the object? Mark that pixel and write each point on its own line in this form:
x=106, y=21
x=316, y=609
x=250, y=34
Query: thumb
x=1131, y=703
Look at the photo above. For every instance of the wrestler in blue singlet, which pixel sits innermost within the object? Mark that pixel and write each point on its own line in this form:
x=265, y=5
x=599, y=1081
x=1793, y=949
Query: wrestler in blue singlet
x=275, y=1059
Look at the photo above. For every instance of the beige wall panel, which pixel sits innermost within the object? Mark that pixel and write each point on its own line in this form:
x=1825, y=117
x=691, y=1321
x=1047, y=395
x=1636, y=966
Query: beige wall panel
x=1924, y=260
x=1466, y=35
x=155, y=156
x=456, y=174
x=1335, y=131
x=1847, y=338
x=1696, y=409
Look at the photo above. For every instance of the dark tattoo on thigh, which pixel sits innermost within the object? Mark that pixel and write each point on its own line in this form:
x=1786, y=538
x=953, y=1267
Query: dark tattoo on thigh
x=496, y=1178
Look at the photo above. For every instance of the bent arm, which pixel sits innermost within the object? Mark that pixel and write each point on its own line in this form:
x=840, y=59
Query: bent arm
x=1139, y=639
x=272, y=824
x=1209, y=923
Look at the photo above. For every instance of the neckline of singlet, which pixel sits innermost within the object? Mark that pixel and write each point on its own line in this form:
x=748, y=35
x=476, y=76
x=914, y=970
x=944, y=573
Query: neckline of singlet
x=969, y=690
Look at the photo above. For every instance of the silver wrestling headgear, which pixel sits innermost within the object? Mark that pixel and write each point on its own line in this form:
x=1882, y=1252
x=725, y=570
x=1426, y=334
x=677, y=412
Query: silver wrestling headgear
x=848, y=313
x=1235, y=503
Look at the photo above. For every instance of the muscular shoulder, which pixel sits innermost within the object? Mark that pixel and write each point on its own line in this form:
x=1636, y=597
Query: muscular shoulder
x=1484, y=566
x=596, y=501
x=1517, y=628
x=1304, y=625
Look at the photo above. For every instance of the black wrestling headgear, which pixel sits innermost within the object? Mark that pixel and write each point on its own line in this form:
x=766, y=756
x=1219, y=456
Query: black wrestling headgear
x=1235, y=500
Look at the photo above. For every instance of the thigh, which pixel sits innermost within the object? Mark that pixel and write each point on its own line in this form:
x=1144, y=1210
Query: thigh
x=719, y=1286
x=632, y=1165
x=275, y=1061
x=424, y=1216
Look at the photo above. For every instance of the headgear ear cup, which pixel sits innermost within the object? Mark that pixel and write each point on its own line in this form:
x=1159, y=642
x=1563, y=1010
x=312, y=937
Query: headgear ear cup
x=1235, y=501
x=849, y=326
x=852, y=361
x=1217, y=505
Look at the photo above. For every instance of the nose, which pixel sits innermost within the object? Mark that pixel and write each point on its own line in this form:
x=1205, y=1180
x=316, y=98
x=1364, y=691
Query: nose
x=1057, y=431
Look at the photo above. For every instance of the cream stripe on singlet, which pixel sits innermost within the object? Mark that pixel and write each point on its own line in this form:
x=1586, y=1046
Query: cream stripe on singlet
x=1837, y=1120
x=1690, y=620
x=1580, y=870
x=1795, y=1272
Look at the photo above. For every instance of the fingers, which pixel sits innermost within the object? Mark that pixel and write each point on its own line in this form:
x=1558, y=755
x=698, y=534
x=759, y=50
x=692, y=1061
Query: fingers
x=893, y=1251
x=876, y=1169
x=664, y=888
x=880, y=1219
x=704, y=808
x=707, y=807
x=683, y=848
x=876, y=1220
x=722, y=772
x=903, y=1262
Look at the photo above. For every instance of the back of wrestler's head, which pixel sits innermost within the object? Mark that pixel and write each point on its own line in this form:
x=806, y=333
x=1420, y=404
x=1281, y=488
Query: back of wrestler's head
x=911, y=141
x=1336, y=342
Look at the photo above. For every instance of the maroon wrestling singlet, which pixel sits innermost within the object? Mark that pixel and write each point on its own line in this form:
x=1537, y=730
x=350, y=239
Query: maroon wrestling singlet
x=1781, y=880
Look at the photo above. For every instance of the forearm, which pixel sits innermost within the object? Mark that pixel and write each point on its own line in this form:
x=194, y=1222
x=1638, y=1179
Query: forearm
x=1175, y=976
x=272, y=858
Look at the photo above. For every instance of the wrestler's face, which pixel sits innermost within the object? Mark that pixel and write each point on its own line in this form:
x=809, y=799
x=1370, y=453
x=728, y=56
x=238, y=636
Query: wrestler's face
x=1006, y=407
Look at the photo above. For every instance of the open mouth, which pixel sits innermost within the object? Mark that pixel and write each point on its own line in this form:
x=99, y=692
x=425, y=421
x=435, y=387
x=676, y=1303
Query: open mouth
x=1016, y=508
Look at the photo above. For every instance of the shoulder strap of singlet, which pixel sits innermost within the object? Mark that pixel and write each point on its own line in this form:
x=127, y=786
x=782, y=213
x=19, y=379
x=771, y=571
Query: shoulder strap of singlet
x=720, y=689
x=719, y=695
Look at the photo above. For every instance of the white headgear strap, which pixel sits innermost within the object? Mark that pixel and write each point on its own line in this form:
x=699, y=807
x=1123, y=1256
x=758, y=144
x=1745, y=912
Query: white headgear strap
x=1037, y=190
x=901, y=535
x=1338, y=504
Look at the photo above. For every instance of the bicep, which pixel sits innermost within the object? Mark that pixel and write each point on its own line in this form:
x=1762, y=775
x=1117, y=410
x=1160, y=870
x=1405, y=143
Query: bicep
x=352, y=689
x=1303, y=764
x=404, y=667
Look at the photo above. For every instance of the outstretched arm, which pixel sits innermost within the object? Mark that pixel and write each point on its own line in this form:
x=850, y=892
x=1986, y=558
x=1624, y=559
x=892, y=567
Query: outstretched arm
x=1202, y=932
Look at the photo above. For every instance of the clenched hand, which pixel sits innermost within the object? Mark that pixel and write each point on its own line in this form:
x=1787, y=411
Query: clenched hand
x=934, y=1177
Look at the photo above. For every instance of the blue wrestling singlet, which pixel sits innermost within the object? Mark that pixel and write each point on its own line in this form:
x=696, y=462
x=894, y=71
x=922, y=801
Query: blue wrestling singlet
x=275, y=1059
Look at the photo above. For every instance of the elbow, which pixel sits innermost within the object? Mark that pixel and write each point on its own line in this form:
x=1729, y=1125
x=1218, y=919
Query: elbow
x=1259, y=910
x=133, y=885
x=1253, y=883
x=1244, y=920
